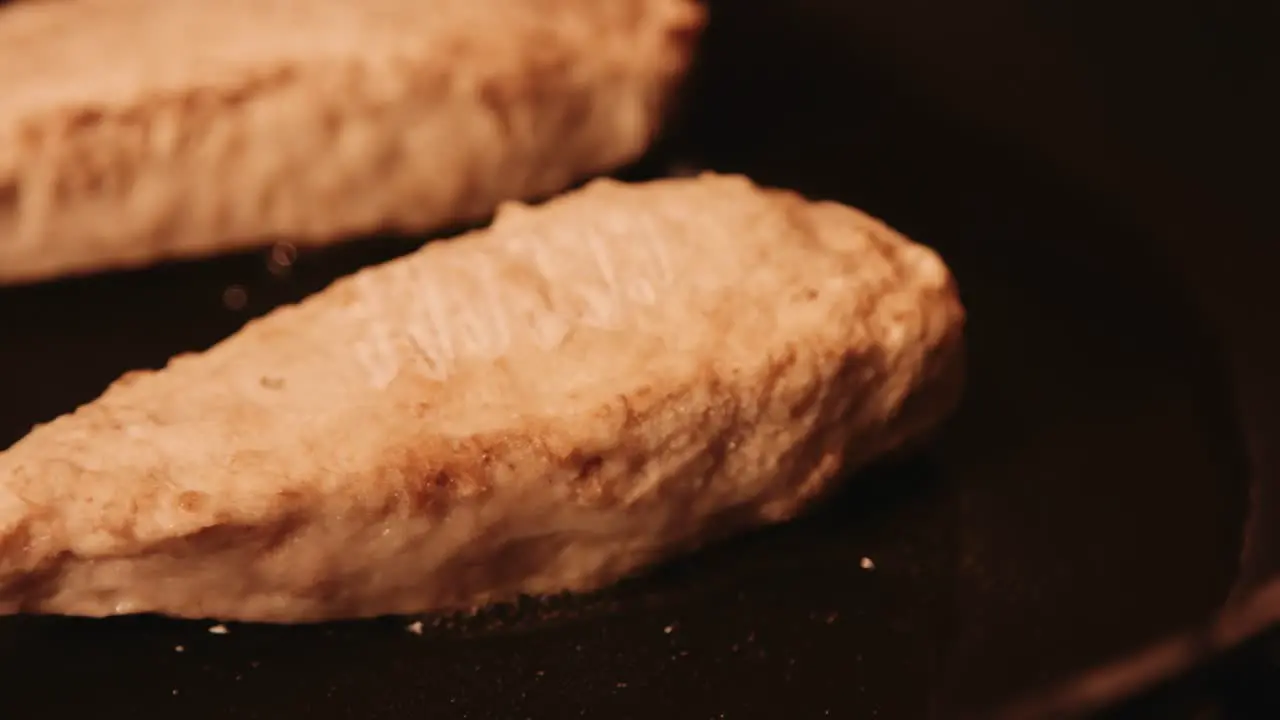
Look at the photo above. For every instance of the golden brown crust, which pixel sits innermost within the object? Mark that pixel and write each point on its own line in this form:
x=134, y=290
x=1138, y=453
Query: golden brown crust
x=134, y=131
x=586, y=388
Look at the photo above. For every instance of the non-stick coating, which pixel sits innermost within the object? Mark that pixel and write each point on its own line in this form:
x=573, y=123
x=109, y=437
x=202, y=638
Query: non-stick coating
x=1088, y=498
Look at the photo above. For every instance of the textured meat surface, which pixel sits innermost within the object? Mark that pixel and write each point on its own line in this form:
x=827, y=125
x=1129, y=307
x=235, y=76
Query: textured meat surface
x=133, y=131
x=585, y=388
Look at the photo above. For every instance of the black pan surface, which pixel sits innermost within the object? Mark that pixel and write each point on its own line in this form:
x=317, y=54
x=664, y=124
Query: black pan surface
x=1089, y=498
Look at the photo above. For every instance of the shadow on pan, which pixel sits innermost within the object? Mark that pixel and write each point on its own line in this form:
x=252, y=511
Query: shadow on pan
x=1087, y=499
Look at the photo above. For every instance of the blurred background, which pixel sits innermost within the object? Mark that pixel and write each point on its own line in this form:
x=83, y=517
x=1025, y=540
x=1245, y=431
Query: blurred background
x=1164, y=109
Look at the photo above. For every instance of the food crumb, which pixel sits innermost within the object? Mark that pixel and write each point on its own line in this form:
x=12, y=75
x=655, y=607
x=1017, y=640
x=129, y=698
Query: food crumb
x=415, y=627
x=235, y=297
x=178, y=648
x=832, y=617
x=669, y=629
x=218, y=630
x=622, y=684
x=867, y=564
x=281, y=258
x=175, y=691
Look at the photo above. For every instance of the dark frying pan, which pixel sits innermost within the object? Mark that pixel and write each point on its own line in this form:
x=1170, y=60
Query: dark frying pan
x=1091, y=498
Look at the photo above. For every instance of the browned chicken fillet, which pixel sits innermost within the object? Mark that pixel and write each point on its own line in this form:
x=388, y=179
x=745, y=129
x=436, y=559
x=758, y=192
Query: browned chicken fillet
x=586, y=388
x=133, y=131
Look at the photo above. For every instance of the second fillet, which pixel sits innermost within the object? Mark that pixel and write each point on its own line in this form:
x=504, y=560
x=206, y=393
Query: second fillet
x=586, y=388
x=135, y=131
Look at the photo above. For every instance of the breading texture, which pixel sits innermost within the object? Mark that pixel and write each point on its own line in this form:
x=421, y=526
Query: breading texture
x=135, y=131
x=584, y=389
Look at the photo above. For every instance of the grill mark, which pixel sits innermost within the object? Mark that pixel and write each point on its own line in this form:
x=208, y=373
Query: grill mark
x=465, y=304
